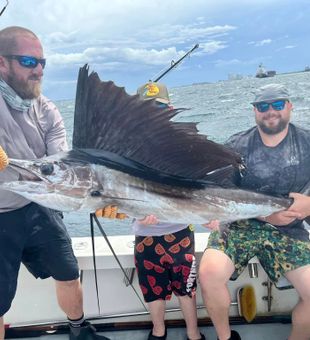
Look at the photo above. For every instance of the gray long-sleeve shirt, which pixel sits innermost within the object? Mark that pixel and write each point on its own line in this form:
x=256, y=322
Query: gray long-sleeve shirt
x=33, y=134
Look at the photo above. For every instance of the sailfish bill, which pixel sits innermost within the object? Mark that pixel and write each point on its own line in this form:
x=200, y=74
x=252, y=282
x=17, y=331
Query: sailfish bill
x=127, y=152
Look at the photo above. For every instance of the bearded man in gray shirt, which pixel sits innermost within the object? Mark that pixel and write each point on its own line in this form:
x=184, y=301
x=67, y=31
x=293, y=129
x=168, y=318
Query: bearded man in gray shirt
x=32, y=127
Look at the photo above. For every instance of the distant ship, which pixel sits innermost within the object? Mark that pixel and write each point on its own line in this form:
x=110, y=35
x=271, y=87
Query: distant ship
x=263, y=73
x=307, y=69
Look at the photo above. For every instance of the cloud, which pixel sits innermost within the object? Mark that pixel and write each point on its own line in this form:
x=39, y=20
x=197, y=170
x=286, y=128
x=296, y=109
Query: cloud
x=261, y=42
x=287, y=47
x=221, y=63
x=159, y=48
x=224, y=63
x=61, y=37
x=212, y=47
x=116, y=56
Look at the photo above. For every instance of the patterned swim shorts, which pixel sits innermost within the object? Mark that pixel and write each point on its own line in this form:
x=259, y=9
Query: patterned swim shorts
x=166, y=264
x=276, y=252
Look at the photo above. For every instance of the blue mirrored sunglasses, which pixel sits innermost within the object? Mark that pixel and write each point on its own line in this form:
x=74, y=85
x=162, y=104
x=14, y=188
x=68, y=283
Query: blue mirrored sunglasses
x=27, y=61
x=162, y=105
x=277, y=105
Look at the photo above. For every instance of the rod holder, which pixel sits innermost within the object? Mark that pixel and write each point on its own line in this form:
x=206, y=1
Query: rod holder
x=253, y=270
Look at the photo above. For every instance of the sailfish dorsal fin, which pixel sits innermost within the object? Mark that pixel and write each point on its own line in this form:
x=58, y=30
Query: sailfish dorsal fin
x=109, y=119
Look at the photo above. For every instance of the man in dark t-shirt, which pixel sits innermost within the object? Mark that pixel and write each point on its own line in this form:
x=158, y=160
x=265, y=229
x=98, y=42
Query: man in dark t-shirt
x=276, y=170
x=277, y=157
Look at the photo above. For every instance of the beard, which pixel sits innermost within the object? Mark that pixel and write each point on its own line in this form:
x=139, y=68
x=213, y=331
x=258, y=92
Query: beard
x=273, y=130
x=29, y=88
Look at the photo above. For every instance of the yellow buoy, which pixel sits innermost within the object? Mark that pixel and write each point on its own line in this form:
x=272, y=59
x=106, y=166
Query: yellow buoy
x=247, y=302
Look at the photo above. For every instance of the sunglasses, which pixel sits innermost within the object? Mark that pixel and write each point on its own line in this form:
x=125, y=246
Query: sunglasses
x=162, y=105
x=277, y=105
x=27, y=61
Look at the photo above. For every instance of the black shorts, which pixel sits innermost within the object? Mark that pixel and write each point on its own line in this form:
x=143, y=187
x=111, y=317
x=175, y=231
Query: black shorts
x=37, y=237
x=166, y=264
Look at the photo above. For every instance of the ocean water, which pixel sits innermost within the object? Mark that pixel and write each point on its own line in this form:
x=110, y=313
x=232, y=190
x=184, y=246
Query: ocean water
x=219, y=109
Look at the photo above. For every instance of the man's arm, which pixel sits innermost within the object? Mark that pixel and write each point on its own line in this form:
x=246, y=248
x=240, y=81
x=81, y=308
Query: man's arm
x=281, y=218
x=55, y=136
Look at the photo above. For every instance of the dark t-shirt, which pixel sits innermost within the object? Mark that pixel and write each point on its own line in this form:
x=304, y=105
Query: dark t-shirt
x=276, y=170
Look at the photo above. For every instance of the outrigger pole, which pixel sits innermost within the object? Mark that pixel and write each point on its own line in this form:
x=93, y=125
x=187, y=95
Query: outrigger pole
x=3, y=9
x=175, y=63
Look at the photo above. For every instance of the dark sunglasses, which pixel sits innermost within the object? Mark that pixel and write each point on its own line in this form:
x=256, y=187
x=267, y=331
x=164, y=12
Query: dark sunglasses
x=277, y=105
x=27, y=61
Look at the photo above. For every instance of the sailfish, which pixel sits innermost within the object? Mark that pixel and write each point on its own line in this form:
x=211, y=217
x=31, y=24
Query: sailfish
x=129, y=153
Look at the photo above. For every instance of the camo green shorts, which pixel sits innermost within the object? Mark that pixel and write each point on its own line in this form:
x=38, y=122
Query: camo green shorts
x=276, y=252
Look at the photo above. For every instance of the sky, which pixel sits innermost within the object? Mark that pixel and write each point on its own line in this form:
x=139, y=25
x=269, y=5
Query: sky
x=133, y=41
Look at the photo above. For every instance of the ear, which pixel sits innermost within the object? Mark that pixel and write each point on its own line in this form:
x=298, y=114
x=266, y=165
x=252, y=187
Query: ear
x=4, y=66
x=2, y=60
x=289, y=105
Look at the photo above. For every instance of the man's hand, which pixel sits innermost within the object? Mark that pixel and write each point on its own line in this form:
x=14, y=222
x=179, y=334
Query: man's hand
x=4, y=160
x=212, y=225
x=301, y=205
x=110, y=211
x=149, y=219
x=300, y=209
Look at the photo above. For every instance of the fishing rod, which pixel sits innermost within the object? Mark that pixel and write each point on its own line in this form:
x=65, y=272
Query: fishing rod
x=175, y=63
x=3, y=9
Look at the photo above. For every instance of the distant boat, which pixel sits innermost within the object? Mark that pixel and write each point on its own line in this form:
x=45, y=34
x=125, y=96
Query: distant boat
x=307, y=69
x=263, y=73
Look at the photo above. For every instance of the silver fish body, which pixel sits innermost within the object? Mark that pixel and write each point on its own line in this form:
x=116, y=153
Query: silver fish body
x=73, y=186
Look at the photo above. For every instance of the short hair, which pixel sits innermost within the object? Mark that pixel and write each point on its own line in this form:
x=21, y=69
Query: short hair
x=8, y=38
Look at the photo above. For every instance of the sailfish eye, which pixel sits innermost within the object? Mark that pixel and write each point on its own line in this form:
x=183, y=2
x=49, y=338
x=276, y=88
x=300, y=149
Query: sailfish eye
x=95, y=193
x=47, y=168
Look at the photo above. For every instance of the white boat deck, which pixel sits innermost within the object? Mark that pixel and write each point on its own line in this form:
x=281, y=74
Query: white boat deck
x=36, y=304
